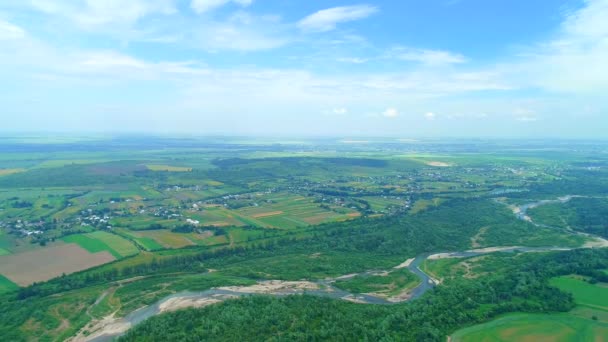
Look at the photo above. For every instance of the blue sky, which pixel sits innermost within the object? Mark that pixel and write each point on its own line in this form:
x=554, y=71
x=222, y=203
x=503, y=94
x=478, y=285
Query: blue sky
x=409, y=68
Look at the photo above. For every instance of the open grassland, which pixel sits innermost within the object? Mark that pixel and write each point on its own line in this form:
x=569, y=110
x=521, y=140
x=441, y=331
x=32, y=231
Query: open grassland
x=5, y=243
x=103, y=241
x=47, y=263
x=385, y=284
x=587, y=322
x=6, y=285
x=288, y=212
x=168, y=168
x=217, y=216
x=164, y=238
x=118, y=244
x=423, y=204
x=167, y=238
x=586, y=294
x=146, y=243
x=535, y=327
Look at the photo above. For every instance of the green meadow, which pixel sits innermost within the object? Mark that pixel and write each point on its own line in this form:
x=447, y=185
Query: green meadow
x=6, y=285
x=535, y=327
x=101, y=241
x=587, y=322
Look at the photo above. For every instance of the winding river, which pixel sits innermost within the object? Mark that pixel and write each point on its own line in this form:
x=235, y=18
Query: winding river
x=110, y=328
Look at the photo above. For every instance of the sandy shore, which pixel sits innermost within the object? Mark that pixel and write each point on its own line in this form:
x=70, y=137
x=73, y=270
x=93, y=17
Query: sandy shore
x=353, y=299
x=492, y=249
x=597, y=242
x=405, y=264
x=97, y=328
x=443, y=256
x=174, y=304
x=273, y=286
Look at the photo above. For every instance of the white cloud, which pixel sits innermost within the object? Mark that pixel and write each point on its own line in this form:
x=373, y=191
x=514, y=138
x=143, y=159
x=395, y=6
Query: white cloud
x=525, y=114
x=425, y=56
x=390, y=113
x=340, y=111
x=9, y=31
x=108, y=60
x=430, y=116
x=327, y=19
x=241, y=32
x=92, y=14
x=353, y=60
x=574, y=61
x=202, y=6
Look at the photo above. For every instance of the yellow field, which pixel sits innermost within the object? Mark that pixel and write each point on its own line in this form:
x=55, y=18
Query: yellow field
x=167, y=238
x=168, y=168
x=5, y=172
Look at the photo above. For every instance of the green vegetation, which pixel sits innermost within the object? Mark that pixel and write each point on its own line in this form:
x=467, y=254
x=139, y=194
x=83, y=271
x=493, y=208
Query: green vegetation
x=535, y=327
x=391, y=284
x=460, y=302
x=6, y=285
x=585, y=292
x=102, y=241
x=197, y=214
x=587, y=322
x=589, y=215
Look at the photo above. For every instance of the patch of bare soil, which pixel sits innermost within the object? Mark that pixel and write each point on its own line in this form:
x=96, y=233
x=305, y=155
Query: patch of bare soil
x=108, y=325
x=274, y=286
x=478, y=238
x=47, y=263
x=438, y=164
x=405, y=264
x=174, y=304
x=597, y=242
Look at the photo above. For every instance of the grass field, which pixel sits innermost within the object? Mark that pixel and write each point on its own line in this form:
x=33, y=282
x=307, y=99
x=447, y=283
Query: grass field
x=102, y=241
x=4, y=251
x=591, y=295
x=532, y=327
x=587, y=322
x=390, y=284
x=422, y=205
x=288, y=212
x=168, y=168
x=166, y=238
x=7, y=285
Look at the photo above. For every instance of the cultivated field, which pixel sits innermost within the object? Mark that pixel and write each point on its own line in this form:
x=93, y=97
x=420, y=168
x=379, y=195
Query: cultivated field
x=587, y=322
x=288, y=212
x=168, y=168
x=47, y=263
x=532, y=328
x=103, y=241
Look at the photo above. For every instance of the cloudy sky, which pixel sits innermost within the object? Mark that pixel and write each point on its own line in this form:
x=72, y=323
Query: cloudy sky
x=508, y=68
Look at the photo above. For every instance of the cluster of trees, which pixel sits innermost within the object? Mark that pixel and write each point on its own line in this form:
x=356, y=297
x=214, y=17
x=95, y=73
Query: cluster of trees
x=22, y=204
